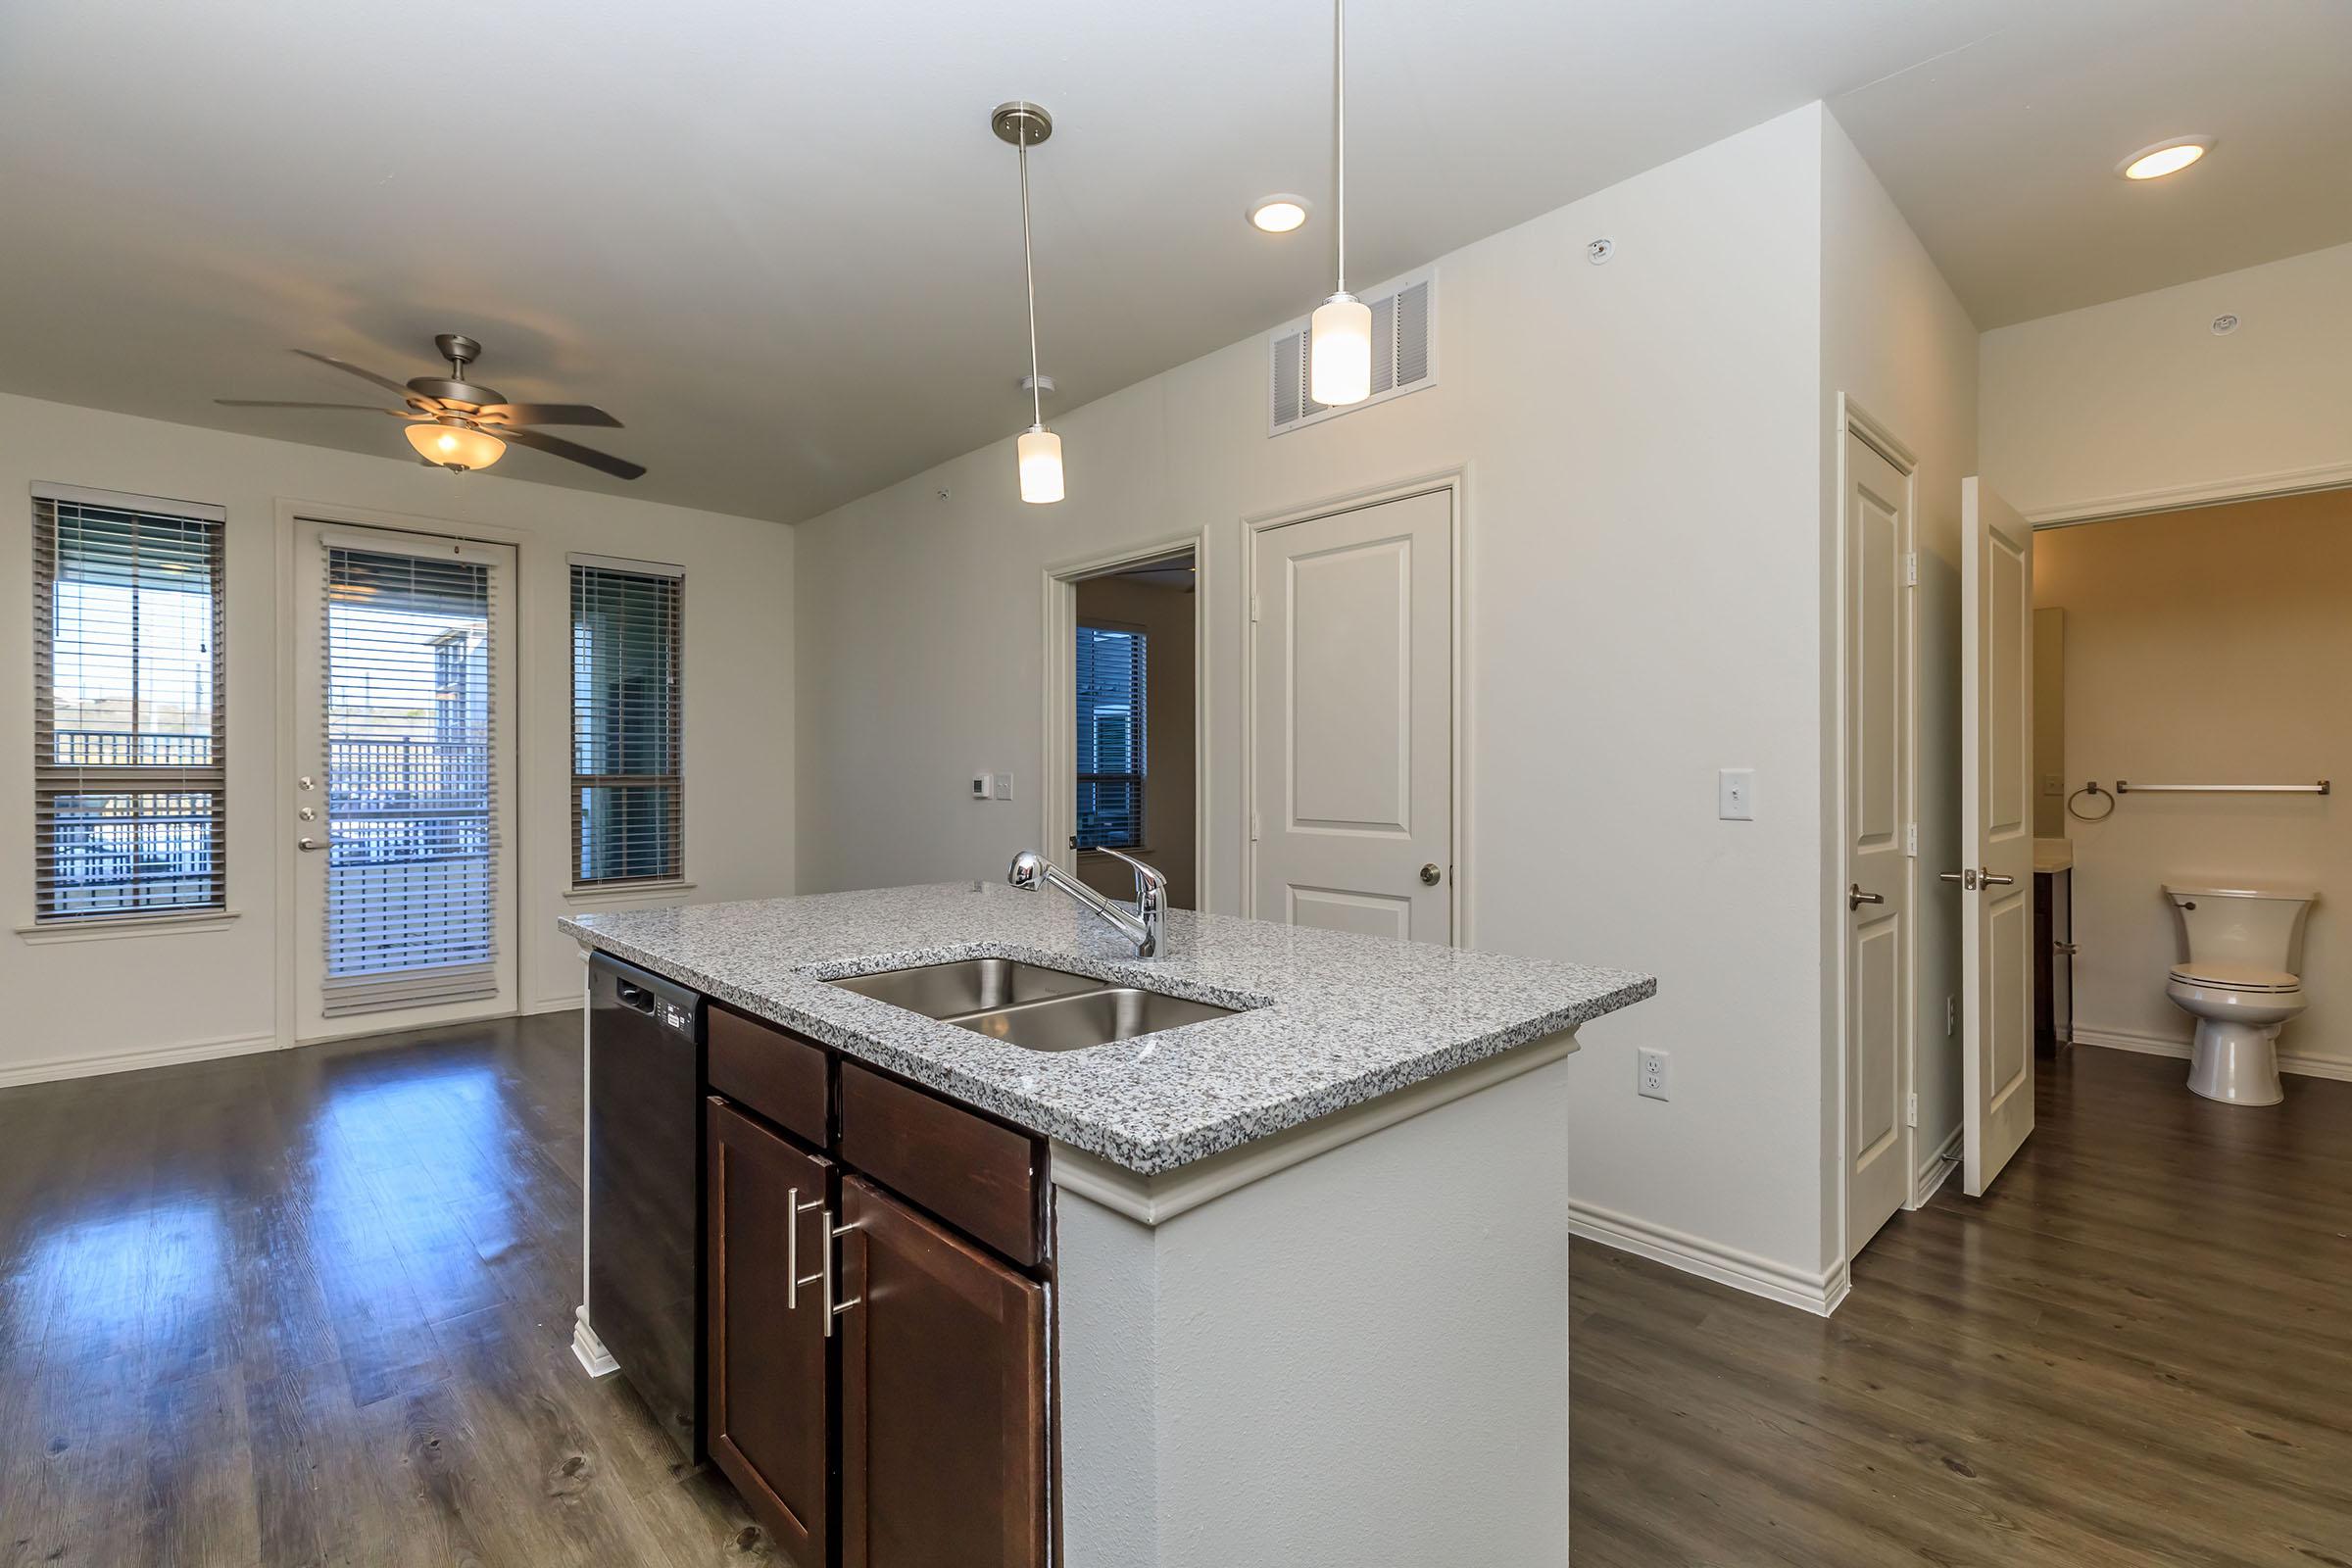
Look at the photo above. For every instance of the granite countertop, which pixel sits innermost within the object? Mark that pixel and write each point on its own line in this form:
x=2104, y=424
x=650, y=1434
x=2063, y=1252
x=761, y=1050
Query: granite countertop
x=1335, y=1019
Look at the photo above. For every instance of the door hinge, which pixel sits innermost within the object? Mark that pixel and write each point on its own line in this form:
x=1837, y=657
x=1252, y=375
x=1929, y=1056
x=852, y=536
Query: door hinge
x=1254, y=827
x=1911, y=840
x=1910, y=568
x=1254, y=609
x=1911, y=1112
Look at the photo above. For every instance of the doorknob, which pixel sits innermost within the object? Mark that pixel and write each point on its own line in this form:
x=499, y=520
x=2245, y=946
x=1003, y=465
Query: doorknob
x=1855, y=897
x=1974, y=878
x=1986, y=879
x=1967, y=879
x=309, y=844
x=1430, y=874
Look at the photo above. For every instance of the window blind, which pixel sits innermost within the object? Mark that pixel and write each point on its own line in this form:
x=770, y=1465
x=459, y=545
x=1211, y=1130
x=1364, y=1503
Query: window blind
x=130, y=803
x=627, y=802
x=1111, y=738
x=412, y=892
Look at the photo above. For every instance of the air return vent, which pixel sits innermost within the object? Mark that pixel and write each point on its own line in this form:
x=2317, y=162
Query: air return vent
x=1404, y=354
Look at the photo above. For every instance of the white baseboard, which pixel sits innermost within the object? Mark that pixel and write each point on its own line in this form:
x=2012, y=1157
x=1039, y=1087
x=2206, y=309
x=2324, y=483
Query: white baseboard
x=2148, y=1045
x=1937, y=1171
x=587, y=1349
x=569, y=1002
x=1817, y=1294
x=56, y=1068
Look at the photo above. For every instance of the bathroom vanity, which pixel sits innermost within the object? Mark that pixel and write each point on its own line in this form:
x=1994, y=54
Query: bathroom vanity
x=1018, y=1250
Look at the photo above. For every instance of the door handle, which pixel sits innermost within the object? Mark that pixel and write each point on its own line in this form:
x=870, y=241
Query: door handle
x=829, y=1279
x=1430, y=874
x=309, y=844
x=2065, y=949
x=1972, y=878
x=1986, y=879
x=1855, y=897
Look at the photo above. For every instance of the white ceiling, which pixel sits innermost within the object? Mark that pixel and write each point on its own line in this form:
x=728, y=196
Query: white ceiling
x=781, y=244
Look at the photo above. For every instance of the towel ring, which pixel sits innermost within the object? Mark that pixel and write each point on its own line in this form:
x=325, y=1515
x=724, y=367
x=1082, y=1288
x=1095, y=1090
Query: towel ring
x=2091, y=789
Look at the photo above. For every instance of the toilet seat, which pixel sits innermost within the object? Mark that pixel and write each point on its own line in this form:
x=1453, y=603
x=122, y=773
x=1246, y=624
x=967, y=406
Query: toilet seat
x=2227, y=975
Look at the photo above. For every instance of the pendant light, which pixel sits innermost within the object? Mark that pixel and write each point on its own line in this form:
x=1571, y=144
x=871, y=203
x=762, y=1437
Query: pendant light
x=1339, y=336
x=1025, y=125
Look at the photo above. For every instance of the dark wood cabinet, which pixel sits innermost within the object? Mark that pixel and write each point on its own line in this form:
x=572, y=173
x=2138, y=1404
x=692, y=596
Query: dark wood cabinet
x=943, y=1394
x=770, y=1379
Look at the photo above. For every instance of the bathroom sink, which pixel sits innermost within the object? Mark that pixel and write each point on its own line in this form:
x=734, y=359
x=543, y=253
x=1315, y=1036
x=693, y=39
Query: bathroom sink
x=1089, y=1019
x=971, y=985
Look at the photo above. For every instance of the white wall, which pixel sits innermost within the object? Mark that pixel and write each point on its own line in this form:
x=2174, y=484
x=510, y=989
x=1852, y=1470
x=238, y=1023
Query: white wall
x=2240, y=611
x=1897, y=341
x=133, y=999
x=1644, y=607
x=2135, y=404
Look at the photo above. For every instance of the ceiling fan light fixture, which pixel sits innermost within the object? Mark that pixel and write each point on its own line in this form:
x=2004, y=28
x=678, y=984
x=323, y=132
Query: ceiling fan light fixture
x=458, y=447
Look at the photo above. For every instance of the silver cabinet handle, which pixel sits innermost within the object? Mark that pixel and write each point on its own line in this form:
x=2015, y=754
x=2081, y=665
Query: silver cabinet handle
x=1855, y=897
x=792, y=1249
x=833, y=1309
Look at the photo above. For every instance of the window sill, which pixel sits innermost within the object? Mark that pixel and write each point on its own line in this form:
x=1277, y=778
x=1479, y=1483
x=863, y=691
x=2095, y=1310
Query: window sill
x=100, y=927
x=620, y=892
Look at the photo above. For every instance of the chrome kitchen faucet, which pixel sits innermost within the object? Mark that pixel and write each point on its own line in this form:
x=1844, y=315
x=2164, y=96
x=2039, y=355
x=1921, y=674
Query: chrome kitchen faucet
x=1146, y=928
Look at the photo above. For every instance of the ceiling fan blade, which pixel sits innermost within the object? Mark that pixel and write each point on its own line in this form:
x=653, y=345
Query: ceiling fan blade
x=557, y=445
x=551, y=414
x=268, y=403
x=384, y=381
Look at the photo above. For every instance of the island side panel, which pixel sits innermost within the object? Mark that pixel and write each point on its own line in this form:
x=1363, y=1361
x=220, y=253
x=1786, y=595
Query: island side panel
x=1358, y=1358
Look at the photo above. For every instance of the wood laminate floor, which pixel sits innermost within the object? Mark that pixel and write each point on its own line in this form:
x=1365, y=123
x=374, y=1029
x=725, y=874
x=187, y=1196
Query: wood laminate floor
x=313, y=1308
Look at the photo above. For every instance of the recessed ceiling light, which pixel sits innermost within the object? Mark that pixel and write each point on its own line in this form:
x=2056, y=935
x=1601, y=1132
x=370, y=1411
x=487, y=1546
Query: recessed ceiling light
x=2165, y=158
x=1280, y=213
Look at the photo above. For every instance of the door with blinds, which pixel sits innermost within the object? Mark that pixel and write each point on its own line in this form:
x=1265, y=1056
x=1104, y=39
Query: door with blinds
x=404, y=786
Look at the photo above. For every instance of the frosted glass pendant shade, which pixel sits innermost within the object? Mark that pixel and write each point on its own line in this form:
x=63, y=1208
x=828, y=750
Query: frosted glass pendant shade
x=1040, y=452
x=453, y=445
x=1339, y=340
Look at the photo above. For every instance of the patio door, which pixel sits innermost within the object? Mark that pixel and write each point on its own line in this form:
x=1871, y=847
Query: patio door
x=404, y=786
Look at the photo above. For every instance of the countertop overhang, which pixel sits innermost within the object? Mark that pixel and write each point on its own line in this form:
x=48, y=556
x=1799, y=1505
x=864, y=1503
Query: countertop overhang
x=1333, y=1019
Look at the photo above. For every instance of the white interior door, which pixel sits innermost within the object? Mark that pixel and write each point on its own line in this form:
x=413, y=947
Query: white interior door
x=1996, y=829
x=403, y=794
x=1877, y=894
x=1352, y=724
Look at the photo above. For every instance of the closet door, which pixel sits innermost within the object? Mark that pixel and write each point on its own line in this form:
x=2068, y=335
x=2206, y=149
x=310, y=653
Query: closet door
x=943, y=1390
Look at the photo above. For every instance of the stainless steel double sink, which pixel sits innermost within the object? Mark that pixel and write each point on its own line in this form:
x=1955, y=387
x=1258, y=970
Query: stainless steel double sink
x=1029, y=1006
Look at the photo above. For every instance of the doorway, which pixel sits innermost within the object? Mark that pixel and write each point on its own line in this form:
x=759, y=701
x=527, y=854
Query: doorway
x=404, y=779
x=1124, y=760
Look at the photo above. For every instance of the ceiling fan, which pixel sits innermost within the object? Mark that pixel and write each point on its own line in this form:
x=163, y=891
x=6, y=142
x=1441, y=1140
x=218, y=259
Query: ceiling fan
x=460, y=425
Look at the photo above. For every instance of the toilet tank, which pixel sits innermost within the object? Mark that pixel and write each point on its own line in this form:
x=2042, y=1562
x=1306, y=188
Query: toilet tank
x=2245, y=925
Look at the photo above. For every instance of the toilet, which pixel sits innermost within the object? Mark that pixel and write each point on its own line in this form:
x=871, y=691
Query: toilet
x=2239, y=982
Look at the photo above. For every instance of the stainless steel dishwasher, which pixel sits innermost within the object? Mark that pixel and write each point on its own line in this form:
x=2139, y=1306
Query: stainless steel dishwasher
x=645, y=1164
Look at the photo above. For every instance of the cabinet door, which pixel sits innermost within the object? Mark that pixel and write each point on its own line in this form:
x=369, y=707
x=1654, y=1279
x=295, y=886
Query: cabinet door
x=769, y=1410
x=943, y=1390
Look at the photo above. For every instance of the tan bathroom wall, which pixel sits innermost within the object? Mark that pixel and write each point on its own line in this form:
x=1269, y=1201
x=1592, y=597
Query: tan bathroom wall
x=2049, y=724
x=2209, y=646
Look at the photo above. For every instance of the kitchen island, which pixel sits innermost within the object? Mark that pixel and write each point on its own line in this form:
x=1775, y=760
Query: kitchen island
x=1284, y=1285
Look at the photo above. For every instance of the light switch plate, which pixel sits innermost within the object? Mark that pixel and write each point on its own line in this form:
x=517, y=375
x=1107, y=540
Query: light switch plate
x=979, y=786
x=1736, y=793
x=1004, y=786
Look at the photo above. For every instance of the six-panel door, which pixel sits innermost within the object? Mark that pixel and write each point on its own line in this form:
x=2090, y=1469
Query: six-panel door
x=770, y=1417
x=943, y=1390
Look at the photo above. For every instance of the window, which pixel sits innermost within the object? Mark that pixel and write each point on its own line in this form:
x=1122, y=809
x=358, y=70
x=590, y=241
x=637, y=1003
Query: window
x=129, y=798
x=627, y=807
x=1111, y=738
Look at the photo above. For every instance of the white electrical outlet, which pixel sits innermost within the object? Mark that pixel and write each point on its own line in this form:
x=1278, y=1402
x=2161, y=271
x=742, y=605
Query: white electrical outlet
x=1736, y=793
x=1652, y=1084
x=1004, y=786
